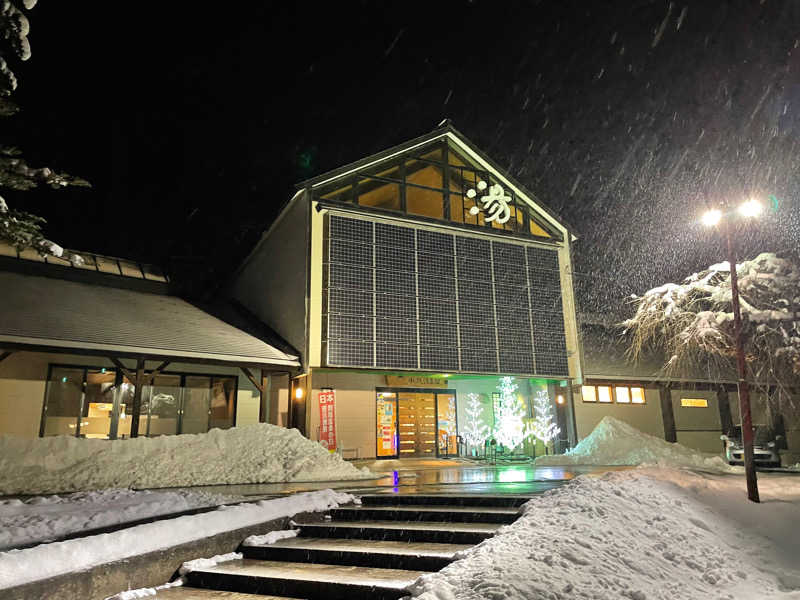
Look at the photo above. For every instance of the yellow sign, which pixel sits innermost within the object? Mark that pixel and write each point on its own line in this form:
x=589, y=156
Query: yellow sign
x=694, y=402
x=415, y=381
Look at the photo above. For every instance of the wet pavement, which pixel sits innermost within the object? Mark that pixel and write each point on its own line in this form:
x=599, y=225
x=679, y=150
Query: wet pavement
x=429, y=476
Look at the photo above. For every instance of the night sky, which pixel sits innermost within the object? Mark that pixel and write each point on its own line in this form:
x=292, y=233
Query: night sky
x=193, y=124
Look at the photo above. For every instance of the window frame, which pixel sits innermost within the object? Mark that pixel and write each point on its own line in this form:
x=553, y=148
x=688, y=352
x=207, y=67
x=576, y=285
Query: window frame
x=613, y=387
x=119, y=379
x=519, y=228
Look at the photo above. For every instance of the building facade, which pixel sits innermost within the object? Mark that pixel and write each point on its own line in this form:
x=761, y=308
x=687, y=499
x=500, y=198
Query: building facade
x=407, y=281
x=101, y=349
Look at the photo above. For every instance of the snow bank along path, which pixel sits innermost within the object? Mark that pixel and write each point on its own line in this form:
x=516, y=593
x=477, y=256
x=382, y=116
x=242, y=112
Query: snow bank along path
x=614, y=442
x=642, y=534
x=18, y=567
x=43, y=518
x=258, y=453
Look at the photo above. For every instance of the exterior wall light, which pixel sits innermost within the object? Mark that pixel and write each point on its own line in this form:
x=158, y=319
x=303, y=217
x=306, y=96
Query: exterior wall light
x=712, y=217
x=298, y=393
x=751, y=208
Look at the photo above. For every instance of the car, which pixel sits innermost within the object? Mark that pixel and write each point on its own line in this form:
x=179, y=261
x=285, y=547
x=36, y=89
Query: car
x=765, y=446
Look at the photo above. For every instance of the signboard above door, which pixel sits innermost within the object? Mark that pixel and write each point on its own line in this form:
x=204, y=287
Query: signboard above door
x=415, y=381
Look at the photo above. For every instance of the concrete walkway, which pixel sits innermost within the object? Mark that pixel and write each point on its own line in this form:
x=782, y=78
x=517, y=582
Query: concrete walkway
x=429, y=476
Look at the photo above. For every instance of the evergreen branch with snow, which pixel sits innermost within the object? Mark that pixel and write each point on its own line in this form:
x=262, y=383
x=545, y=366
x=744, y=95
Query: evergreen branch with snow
x=19, y=228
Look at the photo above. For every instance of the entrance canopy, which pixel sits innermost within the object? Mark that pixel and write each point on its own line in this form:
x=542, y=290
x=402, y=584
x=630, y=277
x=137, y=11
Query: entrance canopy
x=54, y=315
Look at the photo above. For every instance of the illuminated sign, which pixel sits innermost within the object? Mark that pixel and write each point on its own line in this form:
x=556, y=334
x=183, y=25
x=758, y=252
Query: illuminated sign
x=694, y=402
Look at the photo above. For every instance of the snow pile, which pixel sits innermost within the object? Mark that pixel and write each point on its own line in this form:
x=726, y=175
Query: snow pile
x=636, y=535
x=50, y=560
x=43, y=518
x=207, y=563
x=258, y=453
x=614, y=442
x=270, y=538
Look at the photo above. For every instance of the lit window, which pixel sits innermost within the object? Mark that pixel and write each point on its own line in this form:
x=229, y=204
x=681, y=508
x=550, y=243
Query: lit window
x=604, y=393
x=694, y=402
x=637, y=395
x=623, y=394
x=589, y=393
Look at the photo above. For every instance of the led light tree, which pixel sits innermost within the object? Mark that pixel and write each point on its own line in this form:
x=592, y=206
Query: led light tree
x=543, y=426
x=510, y=429
x=475, y=430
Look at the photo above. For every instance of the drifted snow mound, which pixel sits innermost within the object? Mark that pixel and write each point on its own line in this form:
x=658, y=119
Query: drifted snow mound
x=614, y=442
x=258, y=453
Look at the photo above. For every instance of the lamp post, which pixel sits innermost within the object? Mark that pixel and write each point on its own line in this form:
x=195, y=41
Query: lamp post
x=751, y=208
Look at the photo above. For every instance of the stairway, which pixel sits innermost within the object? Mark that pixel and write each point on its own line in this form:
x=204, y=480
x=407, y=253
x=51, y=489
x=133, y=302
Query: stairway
x=372, y=551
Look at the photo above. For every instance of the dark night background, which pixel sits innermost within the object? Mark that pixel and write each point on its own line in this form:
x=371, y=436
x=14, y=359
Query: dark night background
x=193, y=124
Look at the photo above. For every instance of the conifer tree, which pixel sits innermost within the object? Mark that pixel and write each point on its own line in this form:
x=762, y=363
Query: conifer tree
x=17, y=227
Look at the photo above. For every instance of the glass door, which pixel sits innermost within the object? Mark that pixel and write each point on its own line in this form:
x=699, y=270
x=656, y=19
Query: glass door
x=416, y=419
x=64, y=402
x=196, y=409
x=446, y=425
x=386, y=419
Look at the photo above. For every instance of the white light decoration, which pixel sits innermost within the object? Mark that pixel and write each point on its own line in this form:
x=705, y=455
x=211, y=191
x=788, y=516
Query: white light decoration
x=475, y=431
x=543, y=426
x=751, y=208
x=510, y=429
x=712, y=217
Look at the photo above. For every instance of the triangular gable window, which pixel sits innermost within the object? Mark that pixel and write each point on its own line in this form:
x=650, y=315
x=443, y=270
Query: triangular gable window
x=437, y=182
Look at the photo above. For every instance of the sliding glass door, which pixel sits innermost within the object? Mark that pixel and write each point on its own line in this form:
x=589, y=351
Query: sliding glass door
x=416, y=423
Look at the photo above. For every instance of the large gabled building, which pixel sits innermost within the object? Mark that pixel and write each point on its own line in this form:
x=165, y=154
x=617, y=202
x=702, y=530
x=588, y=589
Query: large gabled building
x=406, y=281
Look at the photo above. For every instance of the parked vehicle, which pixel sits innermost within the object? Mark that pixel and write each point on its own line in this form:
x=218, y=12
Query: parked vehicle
x=765, y=446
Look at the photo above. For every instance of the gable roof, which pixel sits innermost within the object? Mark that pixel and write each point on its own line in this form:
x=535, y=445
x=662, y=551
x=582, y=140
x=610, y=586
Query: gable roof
x=50, y=314
x=447, y=131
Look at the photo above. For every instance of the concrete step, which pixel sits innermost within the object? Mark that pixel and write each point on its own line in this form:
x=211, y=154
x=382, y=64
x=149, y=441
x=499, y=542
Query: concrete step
x=401, y=531
x=415, y=556
x=413, y=512
x=305, y=580
x=444, y=499
x=191, y=593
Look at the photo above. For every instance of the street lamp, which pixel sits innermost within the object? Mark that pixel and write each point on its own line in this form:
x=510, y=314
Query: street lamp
x=750, y=208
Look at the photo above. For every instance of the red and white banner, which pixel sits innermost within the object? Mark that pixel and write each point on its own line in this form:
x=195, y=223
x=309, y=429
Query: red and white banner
x=327, y=419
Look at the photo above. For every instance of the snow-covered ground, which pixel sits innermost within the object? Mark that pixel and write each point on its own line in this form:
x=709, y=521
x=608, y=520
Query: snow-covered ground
x=253, y=454
x=43, y=518
x=18, y=567
x=614, y=442
x=648, y=533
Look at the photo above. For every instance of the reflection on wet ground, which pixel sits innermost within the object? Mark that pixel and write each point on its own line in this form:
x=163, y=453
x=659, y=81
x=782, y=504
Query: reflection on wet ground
x=430, y=476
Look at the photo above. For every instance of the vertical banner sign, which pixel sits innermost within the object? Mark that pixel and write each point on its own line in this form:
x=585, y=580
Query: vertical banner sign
x=327, y=419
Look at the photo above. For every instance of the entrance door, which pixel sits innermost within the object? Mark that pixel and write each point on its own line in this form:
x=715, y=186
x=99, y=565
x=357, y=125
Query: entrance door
x=416, y=420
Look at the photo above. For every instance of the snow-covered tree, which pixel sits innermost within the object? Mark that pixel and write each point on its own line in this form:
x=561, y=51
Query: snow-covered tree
x=543, y=426
x=475, y=430
x=17, y=227
x=693, y=322
x=510, y=429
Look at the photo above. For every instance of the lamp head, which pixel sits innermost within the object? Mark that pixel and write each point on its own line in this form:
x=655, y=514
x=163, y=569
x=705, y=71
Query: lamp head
x=712, y=217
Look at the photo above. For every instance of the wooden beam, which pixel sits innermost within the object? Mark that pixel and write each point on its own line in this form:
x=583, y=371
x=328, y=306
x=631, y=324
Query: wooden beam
x=667, y=414
x=5, y=355
x=265, y=393
x=152, y=375
x=139, y=381
x=252, y=379
x=125, y=371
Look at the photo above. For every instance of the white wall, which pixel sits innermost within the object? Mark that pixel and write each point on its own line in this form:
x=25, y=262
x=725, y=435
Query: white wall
x=355, y=408
x=645, y=417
